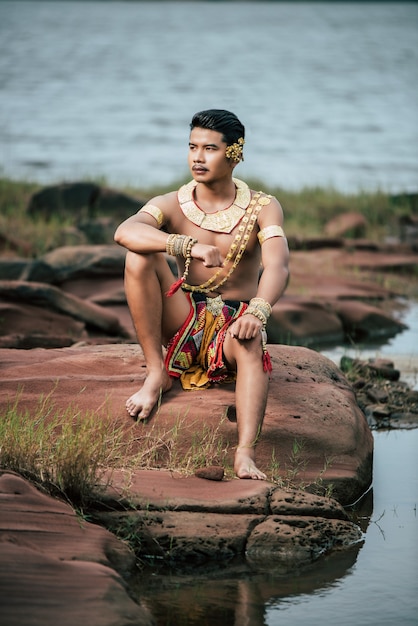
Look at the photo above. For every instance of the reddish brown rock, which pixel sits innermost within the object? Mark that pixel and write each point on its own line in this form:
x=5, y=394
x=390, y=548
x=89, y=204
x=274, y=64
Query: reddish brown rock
x=58, y=569
x=310, y=406
x=212, y=472
x=346, y=224
x=283, y=539
x=186, y=520
x=54, y=299
x=363, y=321
x=299, y=320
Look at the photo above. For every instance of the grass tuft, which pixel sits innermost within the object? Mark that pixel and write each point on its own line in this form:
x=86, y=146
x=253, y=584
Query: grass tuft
x=65, y=452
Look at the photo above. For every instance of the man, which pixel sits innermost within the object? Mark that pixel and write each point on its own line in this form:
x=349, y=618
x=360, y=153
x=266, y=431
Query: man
x=212, y=319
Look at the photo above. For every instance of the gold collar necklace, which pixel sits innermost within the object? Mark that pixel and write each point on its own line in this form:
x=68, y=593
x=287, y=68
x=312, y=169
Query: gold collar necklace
x=222, y=221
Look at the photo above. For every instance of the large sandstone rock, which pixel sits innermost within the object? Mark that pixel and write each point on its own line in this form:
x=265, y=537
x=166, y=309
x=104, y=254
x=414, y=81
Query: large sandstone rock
x=71, y=262
x=47, y=296
x=192, y=520
x=314, y=433
x=322, y=305
x=58, y=569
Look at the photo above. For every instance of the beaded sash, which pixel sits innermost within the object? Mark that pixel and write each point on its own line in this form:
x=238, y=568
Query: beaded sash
x=237, y=247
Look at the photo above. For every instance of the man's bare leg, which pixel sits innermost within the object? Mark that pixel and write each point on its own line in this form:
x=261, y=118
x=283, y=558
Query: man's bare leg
x=250, y=399
x=156, y=318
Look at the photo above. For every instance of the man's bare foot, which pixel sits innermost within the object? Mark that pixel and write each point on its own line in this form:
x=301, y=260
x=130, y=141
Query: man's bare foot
x=141, y=403
x=245, y=466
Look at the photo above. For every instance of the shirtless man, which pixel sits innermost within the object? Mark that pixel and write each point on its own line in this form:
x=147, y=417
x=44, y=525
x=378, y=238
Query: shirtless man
x=221, y=234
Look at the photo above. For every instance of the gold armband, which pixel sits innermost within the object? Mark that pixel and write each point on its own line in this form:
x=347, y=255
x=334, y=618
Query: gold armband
x=155, y=212
x=270, y=231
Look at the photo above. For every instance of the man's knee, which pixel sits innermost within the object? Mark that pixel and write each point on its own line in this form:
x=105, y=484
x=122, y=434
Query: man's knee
x=139, y=264
x=247, y=349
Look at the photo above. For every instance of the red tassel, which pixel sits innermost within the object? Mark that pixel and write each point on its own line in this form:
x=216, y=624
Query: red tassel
x=175, y=287
x=267, y=366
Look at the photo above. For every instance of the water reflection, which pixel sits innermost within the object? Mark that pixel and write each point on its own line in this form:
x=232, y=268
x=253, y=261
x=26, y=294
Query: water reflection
x=371, y=583
x=237, y=594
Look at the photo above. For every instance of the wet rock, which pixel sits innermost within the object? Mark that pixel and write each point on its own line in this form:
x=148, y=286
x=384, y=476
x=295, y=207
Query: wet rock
x=295, y=541
x=386, y=401
x=225, y=520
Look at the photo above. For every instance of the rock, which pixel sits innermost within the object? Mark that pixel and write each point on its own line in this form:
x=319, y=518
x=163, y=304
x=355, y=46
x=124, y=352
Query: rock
x=297, y=321
x=289, y=540
x=13, y=269
x=212, y=472
x=373, y=368
x=314, y=433
x=71, y=262
x=186, y=521
x=83, y=200
x=349, y=224
x=363, y=321
x=44, y=296
x=9, y=245
x=52, y=329
x=314, y=436
x=58, y=569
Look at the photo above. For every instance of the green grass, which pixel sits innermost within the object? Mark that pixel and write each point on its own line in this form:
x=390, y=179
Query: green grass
x=64, y=452
x=306, y=212
x=71, y=454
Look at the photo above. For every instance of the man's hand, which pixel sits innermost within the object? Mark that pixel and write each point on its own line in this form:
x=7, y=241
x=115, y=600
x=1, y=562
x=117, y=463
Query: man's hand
x=246, y=327
x=209, y=255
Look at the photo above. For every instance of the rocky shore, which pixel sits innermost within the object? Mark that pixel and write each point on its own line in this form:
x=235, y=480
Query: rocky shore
x=66, y=331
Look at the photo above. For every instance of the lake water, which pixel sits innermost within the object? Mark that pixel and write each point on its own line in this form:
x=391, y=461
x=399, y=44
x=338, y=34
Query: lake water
x=374, y=584
x=328, y=91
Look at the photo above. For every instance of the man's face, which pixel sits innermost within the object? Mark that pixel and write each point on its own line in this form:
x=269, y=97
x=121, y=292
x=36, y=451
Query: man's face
x=207, y=160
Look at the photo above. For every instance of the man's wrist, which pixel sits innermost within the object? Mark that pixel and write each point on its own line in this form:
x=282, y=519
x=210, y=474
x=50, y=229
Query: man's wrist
x=260, y=308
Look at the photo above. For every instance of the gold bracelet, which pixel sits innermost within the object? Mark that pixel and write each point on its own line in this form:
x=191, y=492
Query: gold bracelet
x=179, y=245
x=155, y=212
x=260, y=308
x=270, y=231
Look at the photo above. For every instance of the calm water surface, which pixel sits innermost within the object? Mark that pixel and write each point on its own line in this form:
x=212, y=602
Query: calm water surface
x=328, y=91
x=374, y=584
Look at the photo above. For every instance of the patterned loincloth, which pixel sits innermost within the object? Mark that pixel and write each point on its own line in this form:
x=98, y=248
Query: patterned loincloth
x=195, y=353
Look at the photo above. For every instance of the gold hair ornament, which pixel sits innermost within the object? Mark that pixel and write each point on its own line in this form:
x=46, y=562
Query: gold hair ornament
x=155, y=212
x=235, y=150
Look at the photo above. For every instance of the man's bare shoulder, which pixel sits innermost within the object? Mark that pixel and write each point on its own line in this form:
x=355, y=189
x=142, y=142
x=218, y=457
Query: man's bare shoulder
x=165, y=201
x=271, y=212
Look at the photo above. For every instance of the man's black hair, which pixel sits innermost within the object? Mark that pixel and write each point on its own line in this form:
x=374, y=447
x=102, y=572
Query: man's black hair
x=222, y=121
